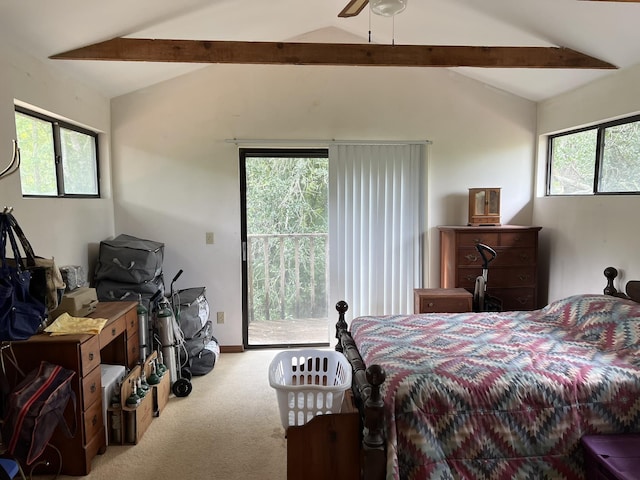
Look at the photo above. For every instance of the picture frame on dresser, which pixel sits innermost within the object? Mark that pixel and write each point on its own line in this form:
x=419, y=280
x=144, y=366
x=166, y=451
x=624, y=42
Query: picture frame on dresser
x=513, y=275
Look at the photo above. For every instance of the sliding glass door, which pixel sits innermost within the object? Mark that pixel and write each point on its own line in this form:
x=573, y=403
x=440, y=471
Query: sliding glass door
x=285, y=247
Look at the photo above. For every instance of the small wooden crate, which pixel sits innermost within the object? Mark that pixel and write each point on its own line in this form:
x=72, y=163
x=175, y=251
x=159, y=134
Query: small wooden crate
x=161, y=390
x=135, y=420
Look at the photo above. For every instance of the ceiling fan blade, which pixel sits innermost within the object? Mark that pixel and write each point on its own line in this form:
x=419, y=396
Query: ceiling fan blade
x=371, y=54
x=353, y=8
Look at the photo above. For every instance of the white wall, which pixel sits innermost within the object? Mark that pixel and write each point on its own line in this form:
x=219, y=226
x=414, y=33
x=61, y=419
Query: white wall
x=175, y=177
x=69, y=230
x=584, y=235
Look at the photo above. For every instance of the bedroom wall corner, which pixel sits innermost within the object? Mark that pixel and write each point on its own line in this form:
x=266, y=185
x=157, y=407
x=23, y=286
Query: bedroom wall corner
x=67, y=229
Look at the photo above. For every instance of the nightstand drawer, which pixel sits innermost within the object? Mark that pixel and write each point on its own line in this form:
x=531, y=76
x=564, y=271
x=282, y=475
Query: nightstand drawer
x=444, y=300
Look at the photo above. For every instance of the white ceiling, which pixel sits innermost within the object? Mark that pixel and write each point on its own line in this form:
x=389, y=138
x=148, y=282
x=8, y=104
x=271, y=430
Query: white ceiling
x=605, y=30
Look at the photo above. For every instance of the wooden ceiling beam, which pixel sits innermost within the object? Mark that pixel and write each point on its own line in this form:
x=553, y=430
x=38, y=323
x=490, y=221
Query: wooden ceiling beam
x=205, y=51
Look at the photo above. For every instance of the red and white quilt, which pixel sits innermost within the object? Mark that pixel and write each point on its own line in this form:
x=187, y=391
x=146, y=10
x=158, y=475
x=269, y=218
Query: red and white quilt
x=504, y=395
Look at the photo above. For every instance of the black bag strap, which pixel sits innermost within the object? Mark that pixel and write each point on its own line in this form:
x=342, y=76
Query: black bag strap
x=14, y=246
x=3, y=240
x=26, y=245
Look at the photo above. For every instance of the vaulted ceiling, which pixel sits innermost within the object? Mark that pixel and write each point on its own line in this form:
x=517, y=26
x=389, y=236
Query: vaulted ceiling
x=603, y=32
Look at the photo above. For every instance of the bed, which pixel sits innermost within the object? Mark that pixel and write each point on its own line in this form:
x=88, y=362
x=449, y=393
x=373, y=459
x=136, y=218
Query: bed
x=494, y=395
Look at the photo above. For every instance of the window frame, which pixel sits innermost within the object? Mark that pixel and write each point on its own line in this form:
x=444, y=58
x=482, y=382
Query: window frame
x=56, y=126
x=600, y=129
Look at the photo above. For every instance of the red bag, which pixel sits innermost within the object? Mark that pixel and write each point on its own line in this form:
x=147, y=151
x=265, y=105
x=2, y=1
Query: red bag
x=35, y=408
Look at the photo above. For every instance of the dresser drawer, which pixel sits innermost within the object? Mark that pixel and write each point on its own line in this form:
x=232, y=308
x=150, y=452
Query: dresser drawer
x=470, y=239
x=89, y=355
x=91, y=388
x=468, y=257
x=512, y=277
x=515, y=298
x=518, y=239
x=111, y=331
x=131, y=322
x=92, y=421
x=499, y=277
x=514, y=257
x=431, y=300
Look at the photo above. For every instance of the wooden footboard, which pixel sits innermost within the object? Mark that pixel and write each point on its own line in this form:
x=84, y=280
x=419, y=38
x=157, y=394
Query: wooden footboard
x=366, y=388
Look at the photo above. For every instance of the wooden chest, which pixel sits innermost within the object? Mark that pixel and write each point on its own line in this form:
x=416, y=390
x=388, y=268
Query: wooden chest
x=512, y=275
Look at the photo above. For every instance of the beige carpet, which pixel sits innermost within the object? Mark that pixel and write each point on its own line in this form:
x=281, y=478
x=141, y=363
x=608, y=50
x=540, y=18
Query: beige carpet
x=228, y=428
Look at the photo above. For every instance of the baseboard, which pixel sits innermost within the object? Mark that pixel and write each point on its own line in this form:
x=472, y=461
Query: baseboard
x=232, y=349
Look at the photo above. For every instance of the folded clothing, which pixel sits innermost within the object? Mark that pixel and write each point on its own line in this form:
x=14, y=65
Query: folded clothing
x=65, y=324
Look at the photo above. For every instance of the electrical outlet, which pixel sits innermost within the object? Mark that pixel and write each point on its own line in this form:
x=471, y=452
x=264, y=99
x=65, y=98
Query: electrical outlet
x=220, y=317
x=209, y=238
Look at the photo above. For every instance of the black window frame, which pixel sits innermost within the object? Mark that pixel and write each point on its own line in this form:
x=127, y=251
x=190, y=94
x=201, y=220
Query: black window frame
x=600, y=135
x=56, y=126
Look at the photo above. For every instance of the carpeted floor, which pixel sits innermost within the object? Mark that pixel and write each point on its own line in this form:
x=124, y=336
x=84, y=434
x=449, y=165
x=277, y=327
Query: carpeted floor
x=228, y=428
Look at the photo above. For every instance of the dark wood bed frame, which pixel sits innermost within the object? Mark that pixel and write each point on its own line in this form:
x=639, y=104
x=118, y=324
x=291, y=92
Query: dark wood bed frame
x=368, y=380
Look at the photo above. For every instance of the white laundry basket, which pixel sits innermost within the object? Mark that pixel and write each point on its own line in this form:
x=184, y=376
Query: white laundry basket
x=309, y=383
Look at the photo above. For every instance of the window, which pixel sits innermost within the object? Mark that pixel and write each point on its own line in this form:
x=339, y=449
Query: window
x=604, y=159
x=57, y=159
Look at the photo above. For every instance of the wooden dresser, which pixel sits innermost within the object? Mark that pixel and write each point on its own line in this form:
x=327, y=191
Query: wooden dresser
x=513, y=274
x=116, y=344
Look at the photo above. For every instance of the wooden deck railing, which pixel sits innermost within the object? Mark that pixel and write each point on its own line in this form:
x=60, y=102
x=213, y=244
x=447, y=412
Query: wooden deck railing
x=288, y=276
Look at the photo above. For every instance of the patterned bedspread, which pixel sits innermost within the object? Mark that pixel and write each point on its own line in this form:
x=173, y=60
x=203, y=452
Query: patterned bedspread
x=504, y=395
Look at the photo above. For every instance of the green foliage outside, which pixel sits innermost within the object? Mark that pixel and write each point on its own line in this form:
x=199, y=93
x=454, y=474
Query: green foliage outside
x=621, y=159
x=79, y=163
x=287, y=202
x=574, y=161
x=38, y=168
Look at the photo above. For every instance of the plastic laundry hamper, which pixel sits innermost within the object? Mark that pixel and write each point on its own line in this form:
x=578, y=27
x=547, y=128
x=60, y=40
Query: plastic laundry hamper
x=309, y=383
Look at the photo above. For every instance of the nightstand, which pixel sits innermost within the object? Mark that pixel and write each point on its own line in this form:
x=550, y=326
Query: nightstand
x=611, y=457
x=443, y=300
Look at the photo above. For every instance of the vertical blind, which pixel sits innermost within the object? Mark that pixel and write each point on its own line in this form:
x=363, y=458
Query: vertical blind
x=375, y=226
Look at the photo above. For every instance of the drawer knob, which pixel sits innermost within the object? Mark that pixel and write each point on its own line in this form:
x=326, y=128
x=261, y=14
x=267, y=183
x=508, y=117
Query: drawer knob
x=430, y=304
x=90, y=355
x=92, y=388
x=523, y=277
x=94, y=420
x=471, y=257
x=113, y=332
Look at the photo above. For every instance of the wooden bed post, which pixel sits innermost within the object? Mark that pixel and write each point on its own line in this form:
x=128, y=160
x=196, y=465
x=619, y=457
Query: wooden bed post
x=366, y=387
x=341, y=326
x=611, y=273
x=373, y=443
